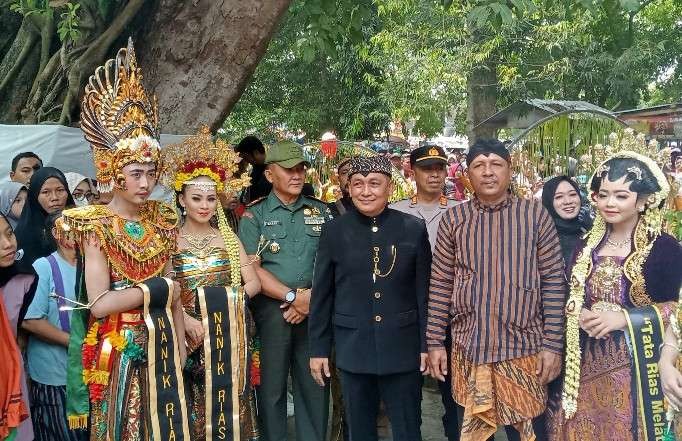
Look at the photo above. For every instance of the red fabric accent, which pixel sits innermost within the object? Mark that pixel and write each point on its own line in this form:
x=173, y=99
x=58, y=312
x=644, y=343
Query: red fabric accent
x=13, y=409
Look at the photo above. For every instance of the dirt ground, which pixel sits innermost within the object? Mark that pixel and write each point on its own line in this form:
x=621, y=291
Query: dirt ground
x=432, y=425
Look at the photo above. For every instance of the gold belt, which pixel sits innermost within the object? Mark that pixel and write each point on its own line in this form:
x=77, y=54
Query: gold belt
x=131, y=317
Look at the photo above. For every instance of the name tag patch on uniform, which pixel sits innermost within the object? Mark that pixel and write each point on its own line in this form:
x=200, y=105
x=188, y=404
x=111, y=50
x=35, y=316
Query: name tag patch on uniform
x=271, y=223
x=313, y=220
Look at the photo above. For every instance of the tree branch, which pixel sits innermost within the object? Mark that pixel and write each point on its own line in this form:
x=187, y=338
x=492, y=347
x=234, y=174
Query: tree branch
x=46, y=36
x=19, y=63
x=94, y=54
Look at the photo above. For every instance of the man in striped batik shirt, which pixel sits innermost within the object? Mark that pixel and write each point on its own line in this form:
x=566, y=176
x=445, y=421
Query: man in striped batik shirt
x=498, y=278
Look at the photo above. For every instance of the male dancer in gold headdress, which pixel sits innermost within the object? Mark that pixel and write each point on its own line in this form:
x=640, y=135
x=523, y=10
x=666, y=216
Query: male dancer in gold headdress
x=124, y=375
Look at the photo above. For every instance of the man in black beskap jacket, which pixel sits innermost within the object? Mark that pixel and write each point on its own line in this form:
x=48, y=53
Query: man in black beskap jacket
x=369, y=299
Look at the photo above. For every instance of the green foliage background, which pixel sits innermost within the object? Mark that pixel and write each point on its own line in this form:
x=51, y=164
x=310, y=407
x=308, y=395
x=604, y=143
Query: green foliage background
x=353, y=66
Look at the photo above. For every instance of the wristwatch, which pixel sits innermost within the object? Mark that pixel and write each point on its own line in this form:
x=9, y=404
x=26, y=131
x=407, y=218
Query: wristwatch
x=290, y=297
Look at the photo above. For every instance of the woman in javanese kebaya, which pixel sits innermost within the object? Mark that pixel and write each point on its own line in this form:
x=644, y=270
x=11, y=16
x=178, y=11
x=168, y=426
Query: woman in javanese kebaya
x=623, y=285
x=124, y=368
x=217, y=280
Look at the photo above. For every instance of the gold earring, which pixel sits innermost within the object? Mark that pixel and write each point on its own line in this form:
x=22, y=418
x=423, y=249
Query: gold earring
x=121, y=181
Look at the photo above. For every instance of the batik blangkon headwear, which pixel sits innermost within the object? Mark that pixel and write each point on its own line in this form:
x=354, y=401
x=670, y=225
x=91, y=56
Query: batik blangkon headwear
x=487, y=146
x=371, y=164
x=119, y=119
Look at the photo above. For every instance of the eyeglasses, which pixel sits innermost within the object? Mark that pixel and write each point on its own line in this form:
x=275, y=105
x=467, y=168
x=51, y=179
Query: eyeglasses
x=88, y=195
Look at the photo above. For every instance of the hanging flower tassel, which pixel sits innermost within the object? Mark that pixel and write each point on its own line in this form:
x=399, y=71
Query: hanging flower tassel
x=255, y=361
x=669, y=435
x=669, y=432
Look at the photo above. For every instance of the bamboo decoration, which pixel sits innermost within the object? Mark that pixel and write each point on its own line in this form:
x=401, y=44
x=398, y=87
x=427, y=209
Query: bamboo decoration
x=549, y=148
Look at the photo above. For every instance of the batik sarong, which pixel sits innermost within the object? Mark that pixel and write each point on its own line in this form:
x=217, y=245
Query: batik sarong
x=505, y=393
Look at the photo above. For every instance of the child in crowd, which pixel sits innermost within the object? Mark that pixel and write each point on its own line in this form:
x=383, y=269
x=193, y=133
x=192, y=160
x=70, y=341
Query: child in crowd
x=47, y=321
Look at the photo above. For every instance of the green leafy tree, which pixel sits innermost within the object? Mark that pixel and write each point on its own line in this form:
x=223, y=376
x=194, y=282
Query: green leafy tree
x=313, y=77
x=487, y=54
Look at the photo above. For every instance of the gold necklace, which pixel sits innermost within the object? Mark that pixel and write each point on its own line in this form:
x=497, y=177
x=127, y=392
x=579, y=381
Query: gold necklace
x=616, y=244
x=198, y=244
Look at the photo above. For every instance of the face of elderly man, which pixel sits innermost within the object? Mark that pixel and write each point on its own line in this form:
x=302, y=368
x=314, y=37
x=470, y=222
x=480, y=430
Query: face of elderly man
x=370, y=193
x=287, y=182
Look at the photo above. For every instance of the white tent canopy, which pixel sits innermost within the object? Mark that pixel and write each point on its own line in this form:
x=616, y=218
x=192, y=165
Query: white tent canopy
x=58, y=146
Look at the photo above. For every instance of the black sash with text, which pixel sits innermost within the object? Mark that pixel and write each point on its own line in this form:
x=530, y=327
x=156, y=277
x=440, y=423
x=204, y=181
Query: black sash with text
x=221, y=355
x=167, y=408
x=645, y=329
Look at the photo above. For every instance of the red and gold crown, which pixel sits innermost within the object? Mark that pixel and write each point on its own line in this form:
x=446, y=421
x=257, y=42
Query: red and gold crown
x=119, y=119
x=199, y=156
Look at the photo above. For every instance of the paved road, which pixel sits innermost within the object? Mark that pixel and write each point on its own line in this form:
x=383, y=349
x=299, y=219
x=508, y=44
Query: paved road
x=432, y=426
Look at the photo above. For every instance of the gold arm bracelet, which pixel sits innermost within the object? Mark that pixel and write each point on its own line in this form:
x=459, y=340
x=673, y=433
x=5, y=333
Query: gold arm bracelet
x=97, y=299
x=665, y=343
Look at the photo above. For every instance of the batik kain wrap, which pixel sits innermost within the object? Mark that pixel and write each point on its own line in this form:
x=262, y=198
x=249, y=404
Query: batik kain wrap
x=645, y=330
x=167, y=408
x=222, y=367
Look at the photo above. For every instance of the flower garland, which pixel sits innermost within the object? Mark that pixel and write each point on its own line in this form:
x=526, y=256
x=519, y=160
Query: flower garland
x=232, y=247
x=97, y=379
x=581, y=270
x=195, y=169
x=255, y=361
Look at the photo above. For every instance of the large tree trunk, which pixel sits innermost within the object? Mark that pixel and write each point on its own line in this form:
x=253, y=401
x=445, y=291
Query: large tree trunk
x=199, y=56
x=18, y=68
x=481, y=100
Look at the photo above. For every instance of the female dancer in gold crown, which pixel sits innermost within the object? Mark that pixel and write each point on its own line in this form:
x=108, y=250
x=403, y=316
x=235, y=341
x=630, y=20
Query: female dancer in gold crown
x=216, y=279
x=623, y=283
x=124, y=377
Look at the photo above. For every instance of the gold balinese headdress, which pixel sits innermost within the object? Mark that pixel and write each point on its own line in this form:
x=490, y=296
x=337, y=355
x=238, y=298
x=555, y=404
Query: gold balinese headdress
x=119, y=119
x=650, y=225
x=198, y=156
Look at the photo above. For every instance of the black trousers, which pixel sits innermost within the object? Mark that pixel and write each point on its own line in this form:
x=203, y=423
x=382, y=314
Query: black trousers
x=453, y=411
x=401, y=394
x=538, y=428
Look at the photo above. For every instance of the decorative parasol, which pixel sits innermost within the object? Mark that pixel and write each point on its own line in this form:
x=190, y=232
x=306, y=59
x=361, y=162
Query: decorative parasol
x=324, y=156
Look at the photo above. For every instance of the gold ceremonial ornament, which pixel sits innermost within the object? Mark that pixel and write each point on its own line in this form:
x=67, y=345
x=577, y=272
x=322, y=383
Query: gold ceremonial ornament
x=376, y=272
x=433, y=152
x=274, y=248
x=119, y=119
x=198, y=155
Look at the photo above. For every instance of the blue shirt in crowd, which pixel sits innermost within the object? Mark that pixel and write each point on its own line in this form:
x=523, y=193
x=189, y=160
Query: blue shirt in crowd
x=47, y=361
